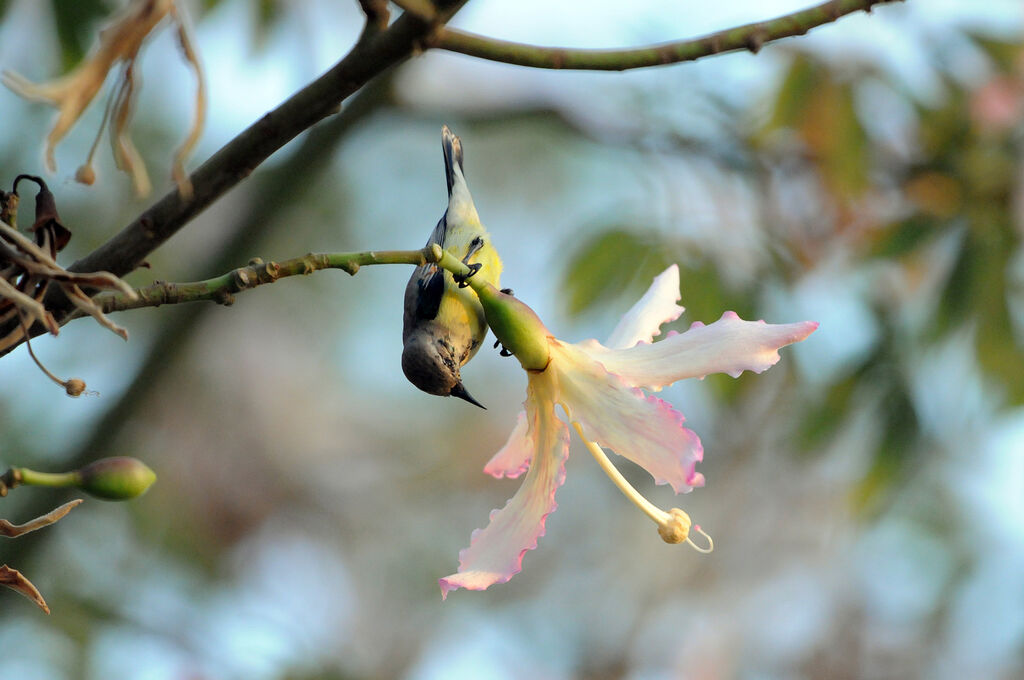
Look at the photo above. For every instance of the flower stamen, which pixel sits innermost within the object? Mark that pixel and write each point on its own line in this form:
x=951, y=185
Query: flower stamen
x=673, y=526
x=659, y=516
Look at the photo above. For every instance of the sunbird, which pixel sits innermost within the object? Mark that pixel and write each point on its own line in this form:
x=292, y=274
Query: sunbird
x=444, y=324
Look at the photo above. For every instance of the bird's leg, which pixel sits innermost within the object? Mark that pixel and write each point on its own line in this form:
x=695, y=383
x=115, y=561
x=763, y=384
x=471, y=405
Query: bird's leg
x=504, y=351
x=463, y=280
x=476, y=244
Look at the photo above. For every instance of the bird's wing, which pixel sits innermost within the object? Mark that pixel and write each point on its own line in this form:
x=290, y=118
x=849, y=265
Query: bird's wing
x=430, y=290
x=426, y=286
x=440, y=233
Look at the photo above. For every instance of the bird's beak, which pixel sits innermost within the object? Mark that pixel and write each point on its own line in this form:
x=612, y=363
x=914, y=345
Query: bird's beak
x=460, y=391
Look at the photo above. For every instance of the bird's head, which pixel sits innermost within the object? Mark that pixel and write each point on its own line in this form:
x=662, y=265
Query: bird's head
x=429, y=362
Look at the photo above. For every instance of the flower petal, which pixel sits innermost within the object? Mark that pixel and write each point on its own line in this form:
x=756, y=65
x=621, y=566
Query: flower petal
x=644, y=319
x=496, y=553
x=644, y=429
x=729, y=345
x=514, y=457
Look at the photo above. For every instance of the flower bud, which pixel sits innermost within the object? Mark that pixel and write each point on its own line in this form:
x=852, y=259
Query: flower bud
x=517, y=327
x=116, y=479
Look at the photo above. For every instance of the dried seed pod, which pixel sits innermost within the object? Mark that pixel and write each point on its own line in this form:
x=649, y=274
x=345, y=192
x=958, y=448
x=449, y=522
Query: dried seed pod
x=47, y=227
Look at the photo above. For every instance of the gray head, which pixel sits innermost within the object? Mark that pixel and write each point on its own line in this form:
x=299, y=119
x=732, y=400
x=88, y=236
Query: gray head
x=429, y=364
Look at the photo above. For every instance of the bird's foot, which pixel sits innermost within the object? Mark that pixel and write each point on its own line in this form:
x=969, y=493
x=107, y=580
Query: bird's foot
x=463, y=279
x=505, y=352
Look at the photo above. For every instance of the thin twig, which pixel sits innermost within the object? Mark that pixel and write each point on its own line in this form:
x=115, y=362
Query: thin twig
x=221, y=289
x=748, y=37
x=31, y=353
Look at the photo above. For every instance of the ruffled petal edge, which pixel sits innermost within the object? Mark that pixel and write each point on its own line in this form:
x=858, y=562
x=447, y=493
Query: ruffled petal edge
x=644, y=320
x=495, y=553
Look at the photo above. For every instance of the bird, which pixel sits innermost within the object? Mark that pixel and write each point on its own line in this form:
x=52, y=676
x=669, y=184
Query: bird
x=443, y=321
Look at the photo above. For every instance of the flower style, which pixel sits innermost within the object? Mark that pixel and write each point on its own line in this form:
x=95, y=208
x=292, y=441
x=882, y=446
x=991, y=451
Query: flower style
x=600, y=388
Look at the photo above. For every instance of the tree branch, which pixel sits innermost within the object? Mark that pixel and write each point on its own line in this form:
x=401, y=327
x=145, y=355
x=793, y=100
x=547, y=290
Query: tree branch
x=374, y=53
x=377, y=16
x=748, y=37
x=221, y=289
x=239, y=157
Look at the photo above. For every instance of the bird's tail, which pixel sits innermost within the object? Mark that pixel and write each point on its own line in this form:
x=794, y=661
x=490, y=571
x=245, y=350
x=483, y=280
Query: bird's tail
x=452, y=148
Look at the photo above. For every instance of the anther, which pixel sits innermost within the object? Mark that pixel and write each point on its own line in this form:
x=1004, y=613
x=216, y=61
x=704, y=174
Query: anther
x=676, y=526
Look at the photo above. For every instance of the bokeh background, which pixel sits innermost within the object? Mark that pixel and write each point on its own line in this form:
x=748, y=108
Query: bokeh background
x=866, y=494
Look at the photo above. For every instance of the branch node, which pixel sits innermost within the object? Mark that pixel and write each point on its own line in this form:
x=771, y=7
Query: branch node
x=223, y=297
x=272, y=270
x=242, y=279
x=309, y=263
x=756, y=40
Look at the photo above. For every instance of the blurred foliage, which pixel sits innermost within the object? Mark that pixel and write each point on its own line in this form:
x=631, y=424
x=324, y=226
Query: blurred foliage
x=961, y=181
x=77, y=23
x=824, y=185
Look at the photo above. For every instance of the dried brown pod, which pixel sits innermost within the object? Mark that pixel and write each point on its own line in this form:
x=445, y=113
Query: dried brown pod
x=28, y=266
x=47, y=227
x=14, y=579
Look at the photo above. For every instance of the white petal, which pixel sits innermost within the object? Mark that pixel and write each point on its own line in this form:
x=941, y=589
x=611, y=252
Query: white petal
x=646, y=430
x=644, y=319
x=496, y=553
x=514, y=457
x=729, y=345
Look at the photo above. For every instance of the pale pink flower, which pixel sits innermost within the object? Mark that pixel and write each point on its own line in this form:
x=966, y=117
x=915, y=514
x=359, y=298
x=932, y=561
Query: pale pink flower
x=600, y=388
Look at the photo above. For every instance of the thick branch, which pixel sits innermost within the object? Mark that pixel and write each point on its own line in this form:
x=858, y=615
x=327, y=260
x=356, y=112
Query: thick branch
x=748, y=37
x=221, y=289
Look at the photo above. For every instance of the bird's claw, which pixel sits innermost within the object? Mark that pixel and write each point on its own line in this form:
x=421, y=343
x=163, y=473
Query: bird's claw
x=505, y=352
x=463, y=279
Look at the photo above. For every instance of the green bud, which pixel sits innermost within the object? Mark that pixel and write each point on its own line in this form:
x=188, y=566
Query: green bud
x=517, y=327
x=116, y=479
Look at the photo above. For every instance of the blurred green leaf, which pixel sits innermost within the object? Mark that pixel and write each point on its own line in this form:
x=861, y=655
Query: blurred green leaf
x=835, y=132
x=802, y=79
x=705, y=294
x=977, y=292
x=819, y=107
x=607, y=266
x=901, y=433
x=827, y=414
x=904, y=237
x=1003, y=54
x=77, y=26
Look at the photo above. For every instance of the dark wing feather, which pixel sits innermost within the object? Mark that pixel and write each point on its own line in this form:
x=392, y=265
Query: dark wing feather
x=426, y=286
x=428, y=300
x=440, y=233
